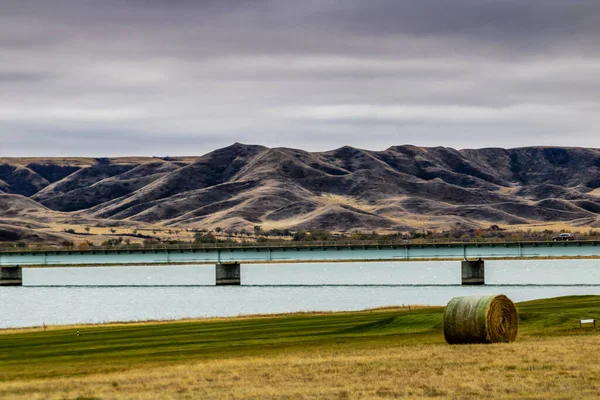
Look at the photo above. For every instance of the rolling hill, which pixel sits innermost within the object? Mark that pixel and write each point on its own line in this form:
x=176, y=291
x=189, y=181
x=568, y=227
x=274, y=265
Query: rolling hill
x=398, y=189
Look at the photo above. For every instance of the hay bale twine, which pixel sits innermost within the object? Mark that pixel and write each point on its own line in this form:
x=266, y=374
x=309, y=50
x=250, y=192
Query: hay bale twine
x=480, y=319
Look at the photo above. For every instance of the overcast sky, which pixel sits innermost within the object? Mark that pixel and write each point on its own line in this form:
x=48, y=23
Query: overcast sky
x=183, y=77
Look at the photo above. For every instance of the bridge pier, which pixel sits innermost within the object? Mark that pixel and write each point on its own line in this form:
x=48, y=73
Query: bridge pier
x=11, y=276
x=228, y=273
x=473, y=272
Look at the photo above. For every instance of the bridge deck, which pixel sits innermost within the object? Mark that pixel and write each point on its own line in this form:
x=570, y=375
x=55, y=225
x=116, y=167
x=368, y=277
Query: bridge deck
x=299, y=252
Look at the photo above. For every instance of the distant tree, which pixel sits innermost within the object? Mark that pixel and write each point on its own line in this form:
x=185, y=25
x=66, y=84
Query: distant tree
x=466, y=236
x=218, y=229
x=87, y=229
x=67, y=243
x=257, y=230
x=356, y=236
x=299, y=235
x=113, y=230
x=208, y=237
x=320, y=235
x=150, y=242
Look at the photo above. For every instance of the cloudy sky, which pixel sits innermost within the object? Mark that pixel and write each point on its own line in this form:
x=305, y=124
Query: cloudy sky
x=183, y=77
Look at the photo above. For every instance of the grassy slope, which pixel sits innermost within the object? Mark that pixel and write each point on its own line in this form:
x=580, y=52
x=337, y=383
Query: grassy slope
x=60, y=352
x=31, y=359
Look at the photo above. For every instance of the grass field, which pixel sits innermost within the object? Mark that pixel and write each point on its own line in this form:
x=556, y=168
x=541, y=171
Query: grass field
x=377, y=354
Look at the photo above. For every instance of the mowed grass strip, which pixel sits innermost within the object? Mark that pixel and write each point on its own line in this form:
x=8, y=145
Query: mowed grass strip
x=108, y=348
x=337, y=355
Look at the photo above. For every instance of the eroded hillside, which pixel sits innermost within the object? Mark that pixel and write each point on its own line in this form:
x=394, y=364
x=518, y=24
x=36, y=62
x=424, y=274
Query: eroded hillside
x=401, y=188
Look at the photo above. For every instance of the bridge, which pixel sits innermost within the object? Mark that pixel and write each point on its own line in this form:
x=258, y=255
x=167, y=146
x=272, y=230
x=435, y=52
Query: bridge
x=227, y=257
x=297, y=252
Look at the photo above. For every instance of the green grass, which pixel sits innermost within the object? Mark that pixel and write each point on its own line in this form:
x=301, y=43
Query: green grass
x=558, y=316
x=61, y=353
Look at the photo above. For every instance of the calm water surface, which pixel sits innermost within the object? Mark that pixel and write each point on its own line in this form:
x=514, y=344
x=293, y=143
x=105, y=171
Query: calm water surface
x=272, y=289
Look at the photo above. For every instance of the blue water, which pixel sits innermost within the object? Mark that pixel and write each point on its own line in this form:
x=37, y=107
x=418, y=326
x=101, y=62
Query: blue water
x=131, y=294
x=28, y=306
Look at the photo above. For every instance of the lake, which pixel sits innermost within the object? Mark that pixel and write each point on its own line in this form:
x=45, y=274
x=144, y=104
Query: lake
x=109, y=294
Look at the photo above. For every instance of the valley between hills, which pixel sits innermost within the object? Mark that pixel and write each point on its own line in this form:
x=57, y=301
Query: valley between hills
x=401, y=189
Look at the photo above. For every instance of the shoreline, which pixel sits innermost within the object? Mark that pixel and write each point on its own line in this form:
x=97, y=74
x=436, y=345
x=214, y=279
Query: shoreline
x=40, y=328
x=331, y=355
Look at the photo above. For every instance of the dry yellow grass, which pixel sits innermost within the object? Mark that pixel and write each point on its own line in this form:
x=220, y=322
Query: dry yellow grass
x=557, y=368
x=508, y=189
x=375, y=354
x=540, y=226
x=71, y=161
x=98, y=234
x=54, y=222
x=345, y=200
x=88, y=161
x=110, y=232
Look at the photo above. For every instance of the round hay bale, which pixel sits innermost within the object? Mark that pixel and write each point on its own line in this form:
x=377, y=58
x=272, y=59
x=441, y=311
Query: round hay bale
x=480, y=319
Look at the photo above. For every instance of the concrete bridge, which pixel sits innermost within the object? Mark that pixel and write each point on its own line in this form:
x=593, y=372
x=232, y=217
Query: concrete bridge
x=227, y=257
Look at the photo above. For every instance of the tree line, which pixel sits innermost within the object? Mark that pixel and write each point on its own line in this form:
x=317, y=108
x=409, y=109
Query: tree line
x=259, y=235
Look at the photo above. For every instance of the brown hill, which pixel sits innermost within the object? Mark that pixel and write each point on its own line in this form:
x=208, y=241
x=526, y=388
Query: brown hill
x=401, y=188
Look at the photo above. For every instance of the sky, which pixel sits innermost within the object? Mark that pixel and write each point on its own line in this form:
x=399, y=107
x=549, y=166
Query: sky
x=184, y=77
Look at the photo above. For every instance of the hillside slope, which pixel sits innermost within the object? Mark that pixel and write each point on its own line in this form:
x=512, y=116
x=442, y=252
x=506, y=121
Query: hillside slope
x=400, y=188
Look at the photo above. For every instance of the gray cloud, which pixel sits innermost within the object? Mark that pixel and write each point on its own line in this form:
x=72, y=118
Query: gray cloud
x=18, y=77
x=183, y=77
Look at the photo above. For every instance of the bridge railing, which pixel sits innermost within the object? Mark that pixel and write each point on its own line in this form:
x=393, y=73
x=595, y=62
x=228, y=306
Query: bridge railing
x=282, y=244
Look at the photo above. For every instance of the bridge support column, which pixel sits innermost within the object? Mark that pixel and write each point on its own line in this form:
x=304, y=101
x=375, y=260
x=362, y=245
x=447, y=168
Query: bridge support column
x=228, y=273
x=473, y=272
x=11, y=276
